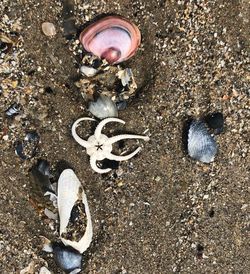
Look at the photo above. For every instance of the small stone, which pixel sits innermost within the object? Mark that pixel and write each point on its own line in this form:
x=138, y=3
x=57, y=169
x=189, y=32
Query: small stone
x=48, y=29
x=244, y=206
x=5, y=137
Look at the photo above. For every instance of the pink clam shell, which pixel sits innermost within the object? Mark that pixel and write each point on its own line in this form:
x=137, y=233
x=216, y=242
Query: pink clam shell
x=113, y=38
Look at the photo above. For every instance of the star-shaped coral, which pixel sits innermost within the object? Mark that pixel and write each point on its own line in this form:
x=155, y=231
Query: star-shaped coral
x=99, y=146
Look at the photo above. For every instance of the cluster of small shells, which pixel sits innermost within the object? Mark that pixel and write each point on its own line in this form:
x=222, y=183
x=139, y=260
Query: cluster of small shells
x=104, y=78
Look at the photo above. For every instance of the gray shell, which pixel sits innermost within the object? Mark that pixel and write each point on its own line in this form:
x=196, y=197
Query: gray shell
x=66, y=257
x=103, y=107
x=201, y=145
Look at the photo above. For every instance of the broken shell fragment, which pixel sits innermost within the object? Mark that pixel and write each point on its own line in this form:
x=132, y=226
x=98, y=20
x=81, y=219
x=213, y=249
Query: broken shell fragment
x=44, y=270
x=201, y=145
x=67, y=258
x=88, y=71
x=6, y=43
x=41, y=175
x=126, y=76
x=13, y=110
x=28, y=147
x=48, y=29
x=103, y=107
x=113, y=38
x=75, y=220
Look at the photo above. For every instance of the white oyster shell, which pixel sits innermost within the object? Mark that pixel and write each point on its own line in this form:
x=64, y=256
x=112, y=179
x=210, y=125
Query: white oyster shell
x=201, y=145
x=69, y=189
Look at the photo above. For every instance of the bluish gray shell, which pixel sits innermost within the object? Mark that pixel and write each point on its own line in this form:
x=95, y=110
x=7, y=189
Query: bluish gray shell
x=201, y=145
x=66, y=257
x=103, y=107
x=13, y=110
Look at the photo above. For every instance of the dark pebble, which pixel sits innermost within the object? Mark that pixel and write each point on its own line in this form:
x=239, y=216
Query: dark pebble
x=121, y=105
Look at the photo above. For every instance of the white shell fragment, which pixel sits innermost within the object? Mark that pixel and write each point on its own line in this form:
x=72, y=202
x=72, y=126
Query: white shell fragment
x=88, y=71
x=47, y=246
x=48, y=29
x=52, y=197
x=201, y=145
x=127, y=78
x=50, y=214
x=103, y=107
x=75, y=220
x=44, y=270
x=75, y=271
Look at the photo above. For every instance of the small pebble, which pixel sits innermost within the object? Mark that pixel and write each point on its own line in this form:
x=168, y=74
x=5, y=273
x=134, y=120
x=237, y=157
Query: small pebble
x=48, y=29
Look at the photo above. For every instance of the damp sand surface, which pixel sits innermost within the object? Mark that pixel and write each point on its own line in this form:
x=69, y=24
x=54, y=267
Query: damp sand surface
x=160, y=212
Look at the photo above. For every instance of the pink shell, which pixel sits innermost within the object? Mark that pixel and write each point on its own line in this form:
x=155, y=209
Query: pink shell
x=112, y=38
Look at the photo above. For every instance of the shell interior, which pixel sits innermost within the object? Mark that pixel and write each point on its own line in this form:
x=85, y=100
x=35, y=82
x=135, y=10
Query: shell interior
x=111, y=43
x=103, y=107
x=201, y=145
x=112, y=38
x=75, y=220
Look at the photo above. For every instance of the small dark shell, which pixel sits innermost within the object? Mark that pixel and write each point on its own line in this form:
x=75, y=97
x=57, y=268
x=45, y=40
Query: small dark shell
x=201, y=145
x=28, y=147
x=67, y=258
x=215, y=121
x=13, y=110
x=41, y=174
x=121, y=105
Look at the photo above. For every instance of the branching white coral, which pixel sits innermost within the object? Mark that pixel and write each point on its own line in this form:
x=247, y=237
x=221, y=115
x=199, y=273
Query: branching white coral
x=99, y=146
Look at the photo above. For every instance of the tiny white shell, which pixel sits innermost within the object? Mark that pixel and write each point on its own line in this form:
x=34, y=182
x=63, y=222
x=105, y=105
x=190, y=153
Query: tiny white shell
x=103, y=107
x=88, y=71
x=69, y=190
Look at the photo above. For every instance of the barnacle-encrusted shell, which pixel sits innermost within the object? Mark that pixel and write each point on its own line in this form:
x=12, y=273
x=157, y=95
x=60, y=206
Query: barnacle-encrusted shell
x=113, y=38
x=201, y=145
x=75, y=220
x=103, y=107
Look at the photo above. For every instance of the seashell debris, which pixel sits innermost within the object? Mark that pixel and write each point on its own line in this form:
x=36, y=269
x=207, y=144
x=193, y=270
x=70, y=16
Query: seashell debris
x=48, y=29
x=28, y=147
x=88, y=71
x=44, y=270
x=13, y=110
x=75, y=220
x=201, y=145
x=126, y=77
x=113, y=38
x=103, y=107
